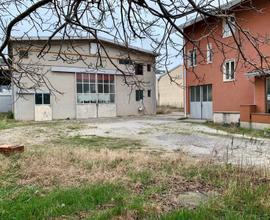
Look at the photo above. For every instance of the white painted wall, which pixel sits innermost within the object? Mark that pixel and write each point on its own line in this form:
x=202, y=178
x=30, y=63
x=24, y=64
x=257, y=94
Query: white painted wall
x=24, y=108
x=106, y=110
x=86, y=111
x=170, y=88
x=126, y=103
x=63, y=102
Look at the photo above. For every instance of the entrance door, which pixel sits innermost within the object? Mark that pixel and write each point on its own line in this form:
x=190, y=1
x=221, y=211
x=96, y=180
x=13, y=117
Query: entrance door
x=43, y=109
x=201, y=106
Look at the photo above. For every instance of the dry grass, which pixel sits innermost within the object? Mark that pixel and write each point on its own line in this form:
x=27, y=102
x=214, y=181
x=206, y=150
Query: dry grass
x=153, y=181
x=155, y=175
x=66, y=166
x=5, y=164
x=164, y=109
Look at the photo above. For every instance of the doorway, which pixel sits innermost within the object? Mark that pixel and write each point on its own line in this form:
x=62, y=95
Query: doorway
x=201, y=106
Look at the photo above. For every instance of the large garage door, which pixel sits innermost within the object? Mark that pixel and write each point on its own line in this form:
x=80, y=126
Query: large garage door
x=95, y=95
x=201, y=102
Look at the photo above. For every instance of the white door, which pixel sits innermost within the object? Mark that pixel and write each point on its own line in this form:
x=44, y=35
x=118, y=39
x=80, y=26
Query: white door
x=43, y=108
x=207, y=106
x=201, y=106
x=43, y=113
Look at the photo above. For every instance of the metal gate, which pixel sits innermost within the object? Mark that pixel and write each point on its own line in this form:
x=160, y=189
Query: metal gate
x=201, y=106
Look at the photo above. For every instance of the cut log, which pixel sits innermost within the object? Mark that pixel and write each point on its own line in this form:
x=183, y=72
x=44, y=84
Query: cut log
x=9, y=149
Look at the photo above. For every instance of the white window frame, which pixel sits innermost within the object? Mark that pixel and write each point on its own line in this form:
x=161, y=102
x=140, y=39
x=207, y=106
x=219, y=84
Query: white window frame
x=42, y=97
x=97, y=95
x=192, y=62
x=226, y=31
x=209, y=53
x=230, y=73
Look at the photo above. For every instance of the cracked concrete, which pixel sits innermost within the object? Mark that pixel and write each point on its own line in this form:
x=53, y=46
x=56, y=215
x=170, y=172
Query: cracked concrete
x=161, y=132
x=166, y=132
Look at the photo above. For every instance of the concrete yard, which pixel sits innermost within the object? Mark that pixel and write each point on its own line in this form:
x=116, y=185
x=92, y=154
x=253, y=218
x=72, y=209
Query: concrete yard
x=161, y=132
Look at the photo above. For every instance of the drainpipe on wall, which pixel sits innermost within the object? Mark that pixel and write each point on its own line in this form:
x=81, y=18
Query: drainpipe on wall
x=184, y=79
x=185, y=92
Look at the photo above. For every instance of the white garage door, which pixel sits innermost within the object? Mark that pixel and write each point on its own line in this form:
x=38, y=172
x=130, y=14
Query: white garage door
x=95, y=95
x=201, y=106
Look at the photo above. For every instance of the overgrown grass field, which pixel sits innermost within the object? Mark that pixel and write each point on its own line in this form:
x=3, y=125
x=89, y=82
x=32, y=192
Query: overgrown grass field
x=65, y=175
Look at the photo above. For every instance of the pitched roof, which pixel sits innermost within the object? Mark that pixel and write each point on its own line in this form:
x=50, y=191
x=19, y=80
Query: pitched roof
x=169, y=71
x=199, y=18
x=105, y=40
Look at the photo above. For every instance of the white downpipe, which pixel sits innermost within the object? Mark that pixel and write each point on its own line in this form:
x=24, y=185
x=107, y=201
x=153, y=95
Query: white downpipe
x=185, y=82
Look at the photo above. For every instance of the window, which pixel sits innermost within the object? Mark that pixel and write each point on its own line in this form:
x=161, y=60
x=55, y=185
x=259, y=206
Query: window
x=149, y=93
x=228, y=26
x=93, y=48
x=106, y=88
x=192, y=94
x=93, y=88
x=138, y=69
x=125, y=61
x=42, y=99
x=139, y=95
x=149, y=67
x=201, y=93
x=192, y=58
x=195, y=94
x=209, y=55
x=198, y=93
x=23, y=54
x=207, y=93
x=229, y=71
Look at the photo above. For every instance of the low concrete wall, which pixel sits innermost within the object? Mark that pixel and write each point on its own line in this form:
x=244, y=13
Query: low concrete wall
x=226, y=117
x=254, y=125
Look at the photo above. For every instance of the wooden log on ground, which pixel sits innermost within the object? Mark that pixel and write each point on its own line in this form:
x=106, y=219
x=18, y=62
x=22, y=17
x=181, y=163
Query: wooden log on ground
x=10, y=149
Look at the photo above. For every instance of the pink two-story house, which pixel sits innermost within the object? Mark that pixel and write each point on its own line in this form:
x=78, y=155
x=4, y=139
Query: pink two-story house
x=222, y=84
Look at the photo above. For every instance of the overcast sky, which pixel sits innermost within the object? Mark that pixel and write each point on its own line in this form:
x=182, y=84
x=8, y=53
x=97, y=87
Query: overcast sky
x=26, y=28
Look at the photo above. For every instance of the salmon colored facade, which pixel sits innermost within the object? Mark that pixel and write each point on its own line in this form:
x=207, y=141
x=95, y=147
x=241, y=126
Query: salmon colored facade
x=245, y=94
